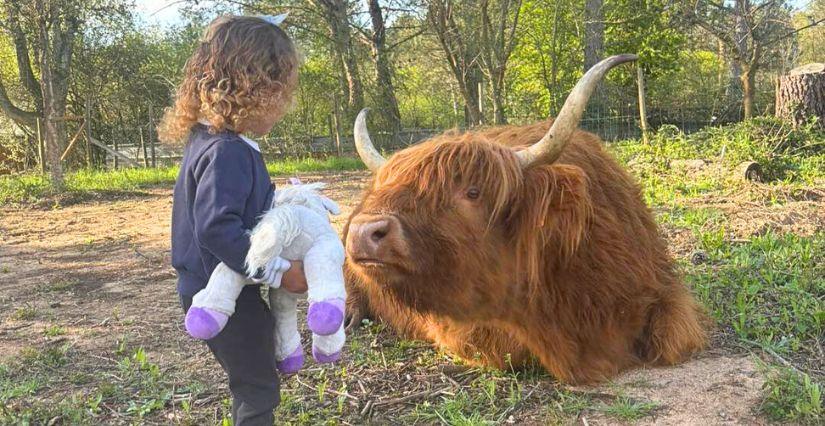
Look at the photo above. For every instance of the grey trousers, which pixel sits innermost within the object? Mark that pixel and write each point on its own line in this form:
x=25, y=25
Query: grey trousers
x=245, y=349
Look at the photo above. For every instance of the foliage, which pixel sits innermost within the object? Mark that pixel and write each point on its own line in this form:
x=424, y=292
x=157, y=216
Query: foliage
x=793, y=396
x=767, y=289
x=794, y=156
x=812, y=40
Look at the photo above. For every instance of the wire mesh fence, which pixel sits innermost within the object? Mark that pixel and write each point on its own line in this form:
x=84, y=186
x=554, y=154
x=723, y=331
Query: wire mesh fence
x=612, y=114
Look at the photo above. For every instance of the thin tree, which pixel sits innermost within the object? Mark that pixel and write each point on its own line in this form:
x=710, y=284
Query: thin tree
x=336, y=16
x=477, y=40
x=47, y=29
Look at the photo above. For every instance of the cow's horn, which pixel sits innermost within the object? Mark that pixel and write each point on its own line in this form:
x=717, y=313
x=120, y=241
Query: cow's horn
x=363, y=144
x=549, y=148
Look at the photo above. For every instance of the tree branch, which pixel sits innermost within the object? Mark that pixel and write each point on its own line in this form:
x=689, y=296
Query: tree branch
x=19, y=116
x=784, y=36
x=21, y=48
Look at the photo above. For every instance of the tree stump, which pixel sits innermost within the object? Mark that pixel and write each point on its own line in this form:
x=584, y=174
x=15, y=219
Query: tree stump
x=750, y=170
x=800, y=95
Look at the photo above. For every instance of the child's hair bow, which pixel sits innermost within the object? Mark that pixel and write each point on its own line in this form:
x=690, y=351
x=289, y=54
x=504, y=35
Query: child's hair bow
x=275, y=20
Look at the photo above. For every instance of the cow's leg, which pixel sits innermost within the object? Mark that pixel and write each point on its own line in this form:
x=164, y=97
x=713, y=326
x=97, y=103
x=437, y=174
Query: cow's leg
x=487, y=346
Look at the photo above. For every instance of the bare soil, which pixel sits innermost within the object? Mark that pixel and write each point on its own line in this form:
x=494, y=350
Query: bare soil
x=100, y=270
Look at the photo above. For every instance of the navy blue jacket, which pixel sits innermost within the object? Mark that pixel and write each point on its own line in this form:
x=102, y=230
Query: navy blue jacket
x=222, y=189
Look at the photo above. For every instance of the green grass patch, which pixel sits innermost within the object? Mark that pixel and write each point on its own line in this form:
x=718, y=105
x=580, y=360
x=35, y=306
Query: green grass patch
x=628, y=409
x=24, y=313
x=694, y=219
x=308, y=165
x=54, y=331
x=768, y=290
x=29, y=188
x=135, y=385
x=789, y=157
x=489, y=399
x=792, y=396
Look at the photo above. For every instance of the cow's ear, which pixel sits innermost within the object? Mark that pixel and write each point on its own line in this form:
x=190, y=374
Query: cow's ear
x=555, y=201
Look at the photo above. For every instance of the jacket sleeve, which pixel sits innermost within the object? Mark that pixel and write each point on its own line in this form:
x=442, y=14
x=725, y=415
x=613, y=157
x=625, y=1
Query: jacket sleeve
x=224, y=183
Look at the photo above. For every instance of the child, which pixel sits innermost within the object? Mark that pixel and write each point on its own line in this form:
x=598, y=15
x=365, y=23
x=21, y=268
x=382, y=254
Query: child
x=239, y=80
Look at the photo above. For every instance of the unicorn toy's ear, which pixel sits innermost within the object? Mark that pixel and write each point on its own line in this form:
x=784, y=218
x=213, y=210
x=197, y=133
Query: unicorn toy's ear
x=331, y=206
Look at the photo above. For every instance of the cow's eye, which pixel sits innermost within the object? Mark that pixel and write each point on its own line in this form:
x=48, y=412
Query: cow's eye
x=473, y=193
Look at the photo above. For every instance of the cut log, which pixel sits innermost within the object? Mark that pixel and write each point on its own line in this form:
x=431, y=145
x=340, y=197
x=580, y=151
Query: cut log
x=800, y=95
x=750, y=170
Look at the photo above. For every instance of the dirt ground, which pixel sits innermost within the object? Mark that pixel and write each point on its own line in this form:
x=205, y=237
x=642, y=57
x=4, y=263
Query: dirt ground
x=100, y=270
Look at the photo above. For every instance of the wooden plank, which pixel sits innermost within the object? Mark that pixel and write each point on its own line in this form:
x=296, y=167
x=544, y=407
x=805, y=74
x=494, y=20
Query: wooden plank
x=74, y=140
x=103, y=146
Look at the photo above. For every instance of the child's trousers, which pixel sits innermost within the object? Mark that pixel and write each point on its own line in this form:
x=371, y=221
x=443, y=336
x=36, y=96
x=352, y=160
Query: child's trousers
x=245, y=348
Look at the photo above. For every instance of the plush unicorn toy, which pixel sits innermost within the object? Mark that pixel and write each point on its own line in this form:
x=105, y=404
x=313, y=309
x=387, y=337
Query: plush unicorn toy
x=296, y=228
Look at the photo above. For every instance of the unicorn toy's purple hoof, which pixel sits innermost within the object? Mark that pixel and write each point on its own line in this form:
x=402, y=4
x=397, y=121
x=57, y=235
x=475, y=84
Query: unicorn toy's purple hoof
x=293, y=363
x=323, y=358
x=203, y=323
x=325, y=317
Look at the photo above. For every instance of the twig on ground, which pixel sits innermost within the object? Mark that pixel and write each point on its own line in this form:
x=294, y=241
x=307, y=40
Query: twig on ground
x=410, y=397
x=18, y=327
x=771, y=352
x=334, y=392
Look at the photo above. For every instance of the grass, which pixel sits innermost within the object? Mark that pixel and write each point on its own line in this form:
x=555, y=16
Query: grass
x=31, y=188
x=628, y=409
x=135, y=385
x=792, y=396
x=790, y=158
x=768, y=290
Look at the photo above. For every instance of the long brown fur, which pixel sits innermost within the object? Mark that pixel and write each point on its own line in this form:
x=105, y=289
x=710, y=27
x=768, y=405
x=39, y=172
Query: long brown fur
x=560, y=262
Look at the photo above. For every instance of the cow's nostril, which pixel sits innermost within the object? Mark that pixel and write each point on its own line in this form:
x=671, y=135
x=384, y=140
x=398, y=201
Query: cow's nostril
x=378, y=235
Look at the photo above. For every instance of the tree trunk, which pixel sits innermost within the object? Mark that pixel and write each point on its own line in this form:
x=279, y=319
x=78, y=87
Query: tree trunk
x=748, y=79
x=461, y=53
x=56, y=33
x=801, y=95
x=593, y=32
x=389, y=108
x=337, y=19
x=594, y=43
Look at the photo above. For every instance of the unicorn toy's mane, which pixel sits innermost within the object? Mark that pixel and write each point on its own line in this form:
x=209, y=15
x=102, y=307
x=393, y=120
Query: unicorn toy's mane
x=307, y=195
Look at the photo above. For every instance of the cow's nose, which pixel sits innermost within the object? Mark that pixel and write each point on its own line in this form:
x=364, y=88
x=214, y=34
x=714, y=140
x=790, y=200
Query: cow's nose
x=369, y=237
x=376, y=231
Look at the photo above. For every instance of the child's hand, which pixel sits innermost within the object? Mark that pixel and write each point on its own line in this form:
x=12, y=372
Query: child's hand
x=294, y=280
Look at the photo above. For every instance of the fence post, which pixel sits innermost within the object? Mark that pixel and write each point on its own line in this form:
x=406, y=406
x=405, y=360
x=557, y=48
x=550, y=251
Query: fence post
x=41, y=148
x=151, y=139
x=480, y=103
x=88, y=129
x=640, y=79
x=142, y=147
x=114, y=141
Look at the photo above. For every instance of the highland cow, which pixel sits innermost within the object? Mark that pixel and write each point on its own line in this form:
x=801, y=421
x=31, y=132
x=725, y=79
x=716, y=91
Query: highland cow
x=514, y=243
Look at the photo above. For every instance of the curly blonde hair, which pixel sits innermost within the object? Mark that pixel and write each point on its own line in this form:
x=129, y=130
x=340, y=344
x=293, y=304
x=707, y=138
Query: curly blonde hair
x=244, y=68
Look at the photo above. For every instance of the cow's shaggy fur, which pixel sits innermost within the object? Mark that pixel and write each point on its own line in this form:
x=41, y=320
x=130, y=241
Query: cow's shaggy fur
x=562, y=262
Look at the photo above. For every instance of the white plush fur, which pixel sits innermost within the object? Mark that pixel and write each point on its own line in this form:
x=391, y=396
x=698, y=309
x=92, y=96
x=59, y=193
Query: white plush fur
x=297, y=227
